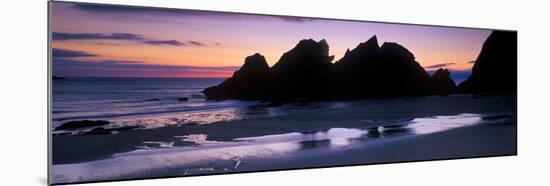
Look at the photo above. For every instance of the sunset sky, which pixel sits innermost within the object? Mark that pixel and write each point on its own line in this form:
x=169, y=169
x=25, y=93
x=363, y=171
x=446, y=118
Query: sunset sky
x=117, y=41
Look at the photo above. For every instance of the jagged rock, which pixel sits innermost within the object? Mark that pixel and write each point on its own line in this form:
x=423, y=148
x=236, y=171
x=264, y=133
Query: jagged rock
x=73, y=125
x=398, y=73
x=353, y=69
x=303, y=72
x=495, y=69
x=389, y=70
x=251, y=81
x=441, y=82
x=369, y=70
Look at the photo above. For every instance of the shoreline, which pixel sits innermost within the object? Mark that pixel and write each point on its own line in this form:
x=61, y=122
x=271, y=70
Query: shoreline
x=496, y=138
x=75, y=149
x=450, y=144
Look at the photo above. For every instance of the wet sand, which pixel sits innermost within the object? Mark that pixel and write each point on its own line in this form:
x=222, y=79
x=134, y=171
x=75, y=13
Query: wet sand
x=497, y=139
x=87, y=155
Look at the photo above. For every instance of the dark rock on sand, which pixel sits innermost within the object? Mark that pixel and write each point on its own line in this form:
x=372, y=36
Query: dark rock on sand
x=441, y=82
x=495, y=69
x=389, y=70
x=251, y=81
x=352, y=71
x=183, y=99
x=306, y=73
x=303, y=72
x=398, y=73
x=73, y=125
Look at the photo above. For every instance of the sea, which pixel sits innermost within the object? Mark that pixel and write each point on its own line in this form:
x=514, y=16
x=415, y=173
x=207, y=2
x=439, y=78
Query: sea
x=152, y=102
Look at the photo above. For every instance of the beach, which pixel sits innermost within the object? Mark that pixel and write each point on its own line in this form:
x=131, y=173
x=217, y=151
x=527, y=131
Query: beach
x=297, y=135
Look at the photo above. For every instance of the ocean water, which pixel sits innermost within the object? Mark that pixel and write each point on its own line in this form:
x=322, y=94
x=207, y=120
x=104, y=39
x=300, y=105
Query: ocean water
x=151, y=102
x=115, y=98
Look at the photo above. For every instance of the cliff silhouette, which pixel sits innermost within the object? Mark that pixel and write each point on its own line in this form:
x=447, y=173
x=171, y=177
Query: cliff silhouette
x=306, y=72
x=495, y=69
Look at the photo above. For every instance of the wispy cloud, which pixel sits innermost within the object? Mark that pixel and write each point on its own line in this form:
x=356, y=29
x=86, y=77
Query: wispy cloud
x=441, y=65
x=61, y=36
x=86, y=36
x=164, y=42
x=471, y=62
x=196, y=43
x=63, y=53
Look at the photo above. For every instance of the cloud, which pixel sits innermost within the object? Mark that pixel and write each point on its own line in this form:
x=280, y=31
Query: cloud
x=440, y=65
x=89, y=36
x=471, y=62
x=196, y=43
x=61, y=36
x=62, y=53
x=116, y=68
x=164, y=42
x=174, y=43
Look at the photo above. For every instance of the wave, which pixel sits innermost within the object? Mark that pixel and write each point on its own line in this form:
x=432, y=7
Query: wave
x=154, y=112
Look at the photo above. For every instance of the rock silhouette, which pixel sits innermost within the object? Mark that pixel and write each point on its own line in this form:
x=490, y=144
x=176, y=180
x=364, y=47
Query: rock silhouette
x=441, y=82
x=251, y=81
x=355, y=70
x=306, y=73
x=73, y=125
x=495, y=68
x=388, y=70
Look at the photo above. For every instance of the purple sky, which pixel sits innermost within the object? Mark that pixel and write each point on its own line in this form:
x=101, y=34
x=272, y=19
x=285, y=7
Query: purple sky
x=102, y=40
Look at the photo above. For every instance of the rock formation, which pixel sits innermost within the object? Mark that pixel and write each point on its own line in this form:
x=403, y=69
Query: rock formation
x=305, y=72
x=251, y=81
x=353, y=71
x=441, y=82
x=495, y=69
x=369, y=70
x=74, y=125
x=389, y=70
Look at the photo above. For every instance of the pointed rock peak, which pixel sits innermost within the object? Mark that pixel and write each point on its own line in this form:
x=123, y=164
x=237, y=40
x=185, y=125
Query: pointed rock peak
x=372, y=41
x=347, y=52
x=323, y=42
x=255, y=61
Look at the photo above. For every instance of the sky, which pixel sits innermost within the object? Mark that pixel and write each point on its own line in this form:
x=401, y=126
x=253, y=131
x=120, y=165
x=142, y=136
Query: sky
x=91, y=40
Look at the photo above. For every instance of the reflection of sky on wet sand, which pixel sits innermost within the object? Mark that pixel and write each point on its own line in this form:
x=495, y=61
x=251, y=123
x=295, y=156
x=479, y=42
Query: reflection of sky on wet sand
x=211, y=156
x=208, y=116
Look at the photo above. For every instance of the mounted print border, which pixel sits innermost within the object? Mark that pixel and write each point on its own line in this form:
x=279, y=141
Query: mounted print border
x=147, y=92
